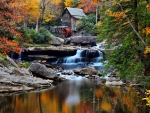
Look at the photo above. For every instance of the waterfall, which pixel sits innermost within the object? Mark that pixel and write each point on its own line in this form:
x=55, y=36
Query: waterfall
x=82, y=59
x=20, y=55
x=82, y=56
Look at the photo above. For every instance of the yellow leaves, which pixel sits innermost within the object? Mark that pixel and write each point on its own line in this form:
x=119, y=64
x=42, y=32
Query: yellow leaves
x=68, y=3
x=31, y=8
x=148, y=6
x=99, y=23
x=147, y=97
x=96, y=1
x=146, y=51
x=117, y=15
x=147, y=92
x=56, y=2
x=106, y=106
x=146, y=30
x=48, y=17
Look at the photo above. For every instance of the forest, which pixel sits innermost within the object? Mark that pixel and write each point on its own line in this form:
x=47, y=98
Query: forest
x=124, y=24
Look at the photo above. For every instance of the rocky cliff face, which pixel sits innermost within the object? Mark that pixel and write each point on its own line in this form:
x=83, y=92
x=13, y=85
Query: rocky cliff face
x=46, y=53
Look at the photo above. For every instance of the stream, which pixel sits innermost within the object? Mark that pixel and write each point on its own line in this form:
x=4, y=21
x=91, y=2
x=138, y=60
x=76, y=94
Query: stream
x=82, y=59
x=77, y=95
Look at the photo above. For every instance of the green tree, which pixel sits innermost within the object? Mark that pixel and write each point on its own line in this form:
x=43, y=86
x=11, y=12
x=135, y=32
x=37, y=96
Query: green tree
x=75, y=3
x=122, y=26
x=87, y=24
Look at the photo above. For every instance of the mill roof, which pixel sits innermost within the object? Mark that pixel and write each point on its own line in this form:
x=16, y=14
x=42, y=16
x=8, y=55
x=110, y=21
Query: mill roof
x=75, y=12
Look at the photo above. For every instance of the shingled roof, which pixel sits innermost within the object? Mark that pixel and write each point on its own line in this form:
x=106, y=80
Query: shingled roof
x=75, y=12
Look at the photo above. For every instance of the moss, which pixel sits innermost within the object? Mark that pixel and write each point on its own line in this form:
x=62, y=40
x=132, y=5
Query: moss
x=3, y=61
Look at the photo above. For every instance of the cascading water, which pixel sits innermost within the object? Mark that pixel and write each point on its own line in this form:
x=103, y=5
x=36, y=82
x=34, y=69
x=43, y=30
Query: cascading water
x=16, y=56
x=20, y=55
x=82, y=58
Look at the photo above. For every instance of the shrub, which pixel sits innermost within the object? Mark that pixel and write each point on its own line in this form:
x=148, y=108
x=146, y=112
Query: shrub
x=87, y=24
x=42, y=36
x=32, y=36
x=25, y=64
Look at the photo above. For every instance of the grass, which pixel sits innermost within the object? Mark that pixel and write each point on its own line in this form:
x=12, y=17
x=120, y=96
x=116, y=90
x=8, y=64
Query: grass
x=36, y=45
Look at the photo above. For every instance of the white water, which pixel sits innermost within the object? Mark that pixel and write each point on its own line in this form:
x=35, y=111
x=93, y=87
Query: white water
x=82, y=58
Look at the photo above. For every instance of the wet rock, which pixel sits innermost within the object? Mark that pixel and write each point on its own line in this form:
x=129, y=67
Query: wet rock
x=21, y=72
x=114, y=80
x=114, y=83
x=42, y=71
x=82, y=40
x=65, y=72
x=90, y=70
x=15, y=80
x=100, y=81
x=56, y=40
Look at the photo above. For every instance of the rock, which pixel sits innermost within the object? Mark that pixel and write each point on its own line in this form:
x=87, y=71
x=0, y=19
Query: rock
x=18, y=72
x=56, y=40
x=42, y=71
x=113, y=79
x=82, y=40
x=65, y=72
x=90, y=70
x=100, y=81
x=114, y=83
x=23, y=80
x=49, y=53
x=18, y=79
x=67, y=41
x=12, y=62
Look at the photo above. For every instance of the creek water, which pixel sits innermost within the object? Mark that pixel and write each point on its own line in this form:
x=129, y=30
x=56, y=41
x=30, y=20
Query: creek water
x=77, y=95
x=82, y=59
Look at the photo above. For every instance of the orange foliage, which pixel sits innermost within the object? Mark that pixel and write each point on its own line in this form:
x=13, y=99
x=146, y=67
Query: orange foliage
x=9, y=16
x=148, y=6
x=96, y=1
x=119, y=15
x=7, y=46
x=146, y=30
x=87, y=6
x=116, y=15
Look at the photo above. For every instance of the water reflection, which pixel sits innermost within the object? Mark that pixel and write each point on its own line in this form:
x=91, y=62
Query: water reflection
x=80, y=96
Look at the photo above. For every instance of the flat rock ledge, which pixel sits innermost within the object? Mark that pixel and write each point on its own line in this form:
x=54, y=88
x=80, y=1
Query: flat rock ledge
x=20, y=79
x=60, y=48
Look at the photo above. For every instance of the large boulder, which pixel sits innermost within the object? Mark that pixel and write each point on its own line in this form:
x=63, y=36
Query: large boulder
x=90, y=70
x=82, y=40
x=56, y=40
x=19, y=79
x=42, y=71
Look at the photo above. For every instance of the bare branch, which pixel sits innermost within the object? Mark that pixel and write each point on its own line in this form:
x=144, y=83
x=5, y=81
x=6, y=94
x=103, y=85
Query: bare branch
x=132, y=26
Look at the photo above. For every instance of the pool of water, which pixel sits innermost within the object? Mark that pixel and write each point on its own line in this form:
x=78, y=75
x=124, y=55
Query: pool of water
x=75, y=96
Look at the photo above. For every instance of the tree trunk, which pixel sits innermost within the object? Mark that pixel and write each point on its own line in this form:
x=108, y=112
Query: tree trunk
x=37, y=25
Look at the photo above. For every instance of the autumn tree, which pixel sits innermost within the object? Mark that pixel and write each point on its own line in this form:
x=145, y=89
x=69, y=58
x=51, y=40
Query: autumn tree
x=68, y=3
x=122, y=26
x=56, y=7
x=43, y=5
x=8, y=19
x=31, y=11
x=50, y=10
x=87, y=6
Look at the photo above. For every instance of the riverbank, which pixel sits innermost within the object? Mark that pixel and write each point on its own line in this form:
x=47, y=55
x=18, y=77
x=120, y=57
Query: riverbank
x=39, y=75
x=15, y=79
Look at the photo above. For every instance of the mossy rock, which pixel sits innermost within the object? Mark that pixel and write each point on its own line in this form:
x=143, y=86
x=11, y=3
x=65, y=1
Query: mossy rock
x=3, y=61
